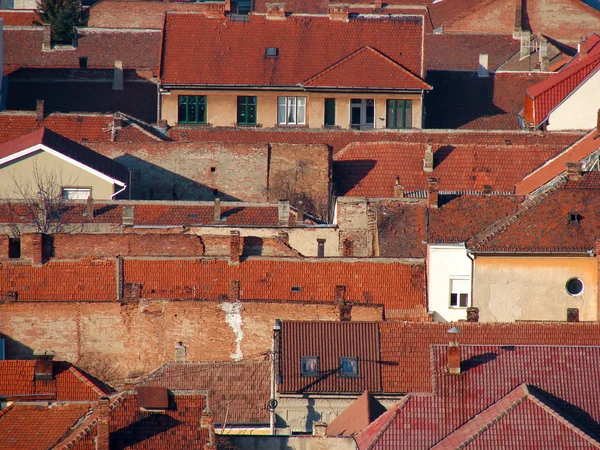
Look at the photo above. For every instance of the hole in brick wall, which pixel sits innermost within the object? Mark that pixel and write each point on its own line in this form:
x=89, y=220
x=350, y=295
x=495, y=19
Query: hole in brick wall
x=296, y=289
x=213, y=169
x=14, y=248
x=215, y=192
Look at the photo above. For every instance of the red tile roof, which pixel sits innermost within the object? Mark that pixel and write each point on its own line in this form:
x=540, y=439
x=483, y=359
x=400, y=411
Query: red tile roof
x=136, y=49
x=543, y=97
x=16, y=18
x=37, y=426
x=202, y=51
x=17, y=382
x=402, y=229
x=400, y=287
x=349, y=72
x=544, y=224
x=464, y=100
x=329, y=341
x=69, y=149
x=357, y=416
x=371, y=169
x=60, y=281
x=238, y=391
x=461, y=51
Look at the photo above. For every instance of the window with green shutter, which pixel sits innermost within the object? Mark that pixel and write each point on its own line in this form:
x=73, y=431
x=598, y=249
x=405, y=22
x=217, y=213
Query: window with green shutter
x=330, y=112
x=192, y=109
x=399, y=114
x=246, y=110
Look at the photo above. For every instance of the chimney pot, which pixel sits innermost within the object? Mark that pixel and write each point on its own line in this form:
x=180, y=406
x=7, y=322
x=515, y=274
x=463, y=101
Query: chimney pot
x=284, y=213
x=572, y=314
x=398, y=189
x=433, y=192
x=472, y=314
x=483, y=69
x=300, y=213
x=180, y=352
x=574, y=171
x=339, y=12
x=234, y=247
x=284, y=237
x=320, y=429
x=117, y=84
x=487, y=189
x=234, y=291
x=39, y=110
x=44, y=369
x=217, y=211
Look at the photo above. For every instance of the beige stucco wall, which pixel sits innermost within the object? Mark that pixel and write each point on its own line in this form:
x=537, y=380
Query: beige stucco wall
x=221, y=107
x=50, y=167
x=506, y=289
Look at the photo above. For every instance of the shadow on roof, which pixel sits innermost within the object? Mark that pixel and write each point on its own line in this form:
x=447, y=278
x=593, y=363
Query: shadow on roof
x=348, y=174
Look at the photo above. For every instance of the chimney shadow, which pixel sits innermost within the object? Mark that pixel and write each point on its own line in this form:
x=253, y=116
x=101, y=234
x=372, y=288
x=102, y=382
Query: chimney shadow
x=477, y=360
x=140, y=430
x=441, y=154
x=14, y=349
x=348, y=174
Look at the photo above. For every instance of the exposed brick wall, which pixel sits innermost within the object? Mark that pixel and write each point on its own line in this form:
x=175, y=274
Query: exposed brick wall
x=113, y=340
x=4, y=246
x=77, y=246
x=353, y=221
x=75, y=281
x=31, y=247
x=301, y=172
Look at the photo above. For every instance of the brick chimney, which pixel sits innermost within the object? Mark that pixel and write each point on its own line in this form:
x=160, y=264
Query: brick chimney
x=338, y=12
x=284, y=213
x=275, y=11
x=132, y=291
x=472, y=314
x=39, y=110
x=483, y=70
x=31, y=247
x=235, y=247
x=433, y=192
x=398, y=189
x=217, y=210
x=207, y=421
x=428, y=158
x=453, y=352
x=102, y=428
x=544, y=60
x=44, y=367
x=234, y=291
x=10, y=296
x=47, y=39
x=340, y=294
x=117, y=83
x=487, y=189
x=574, y=171
x=572, y=314
x=300, y=213
x=180, y=352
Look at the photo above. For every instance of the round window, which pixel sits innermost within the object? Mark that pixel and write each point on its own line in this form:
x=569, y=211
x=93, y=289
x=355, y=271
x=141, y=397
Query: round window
x=574, y=286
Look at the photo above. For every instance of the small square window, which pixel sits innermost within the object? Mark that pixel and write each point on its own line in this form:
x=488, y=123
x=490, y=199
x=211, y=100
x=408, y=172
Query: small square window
x=348, y=366
x=459, y=292
x=309, y=366
x=296, y=288
x=272, y=51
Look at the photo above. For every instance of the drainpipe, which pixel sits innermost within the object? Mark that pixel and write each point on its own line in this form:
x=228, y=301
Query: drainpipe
x=112, y=197
x=472, y=258
x=274, y=355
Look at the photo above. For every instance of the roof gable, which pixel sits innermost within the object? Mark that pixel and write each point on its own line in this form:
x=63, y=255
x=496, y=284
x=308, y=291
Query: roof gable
x=366, y=68
x=364, y=410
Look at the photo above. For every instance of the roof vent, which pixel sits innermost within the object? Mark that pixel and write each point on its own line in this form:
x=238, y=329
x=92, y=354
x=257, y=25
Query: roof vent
x=272, y=51
x=574, y=217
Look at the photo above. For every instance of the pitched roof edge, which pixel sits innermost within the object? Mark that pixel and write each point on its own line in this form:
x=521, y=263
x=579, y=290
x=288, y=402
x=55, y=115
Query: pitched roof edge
x=87, y=381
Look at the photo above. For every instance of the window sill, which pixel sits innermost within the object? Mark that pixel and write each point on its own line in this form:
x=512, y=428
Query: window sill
x=458, y=307
x=291, y=125
x=248, y=125
x=332, y=127
x=195, y=124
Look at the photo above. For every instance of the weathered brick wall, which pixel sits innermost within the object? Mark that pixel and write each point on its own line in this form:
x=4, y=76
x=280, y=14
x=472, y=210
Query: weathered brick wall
x=301, y=172
x=353, y=222
x=4, y=246
x=113, y=340
x=76, y=246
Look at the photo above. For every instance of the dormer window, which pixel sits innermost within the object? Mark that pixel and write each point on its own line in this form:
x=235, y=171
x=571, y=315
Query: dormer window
x=309, y=366
x=574, y=217
x=272, y=52
x=348, y=366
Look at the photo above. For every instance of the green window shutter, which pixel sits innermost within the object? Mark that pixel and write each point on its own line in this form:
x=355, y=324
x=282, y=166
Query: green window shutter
x=330, y=112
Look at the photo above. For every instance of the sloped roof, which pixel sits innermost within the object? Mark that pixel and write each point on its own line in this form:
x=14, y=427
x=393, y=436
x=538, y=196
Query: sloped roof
x=238, y=391
x=19, y=18
x=350, y=72
x=364, y=410
x=38, y=426
x=544, y=225
x=543, y=97
x=202, y=51
x=66, y=147
x=402, y=229
x=370, y=169
x=17, y=382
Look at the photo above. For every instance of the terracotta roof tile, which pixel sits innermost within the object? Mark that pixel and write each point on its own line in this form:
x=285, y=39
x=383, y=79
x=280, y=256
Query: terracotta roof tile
x=136, y=49
x=402, y=229
x=357, y=416
x=16, y=18
x=213, y=45
x=238, y=392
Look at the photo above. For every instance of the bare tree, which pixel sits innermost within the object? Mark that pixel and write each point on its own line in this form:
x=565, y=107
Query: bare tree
x=39, y=203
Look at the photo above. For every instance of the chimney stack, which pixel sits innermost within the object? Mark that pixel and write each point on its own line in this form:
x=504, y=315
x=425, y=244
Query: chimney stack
x=348, y=248
x=300, y=213
x=39, y=110
x=128, y=215
x=284, y=213
x=339, y=12
x=217, y=211
x=117, y=84
x=472, y=314
x=320, y=429
x=234, y=247
x=483, y=70
x=525, y=44
x=598, y=122
x=180, y=352
x=234, y=291
x=43, y=365
x=117, y=121
x=428, y=158
x=574, y=171
x=433, y=192
x=102, y=428
x=572, y=314
x=47, y=39
x=340, y=293
x=453, y=352
x=275, y=11
x=544, y=60
x=207, y=420
x=398, y=189
x=89, y=208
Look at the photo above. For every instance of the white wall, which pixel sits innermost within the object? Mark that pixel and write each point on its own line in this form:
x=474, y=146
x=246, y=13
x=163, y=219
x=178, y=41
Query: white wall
x=446, y=261
x=580, y=110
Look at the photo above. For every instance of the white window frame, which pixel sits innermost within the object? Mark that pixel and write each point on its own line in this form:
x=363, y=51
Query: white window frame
x=76, y=193
x=363, y=113
x=291, y=110
x=466, y=281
